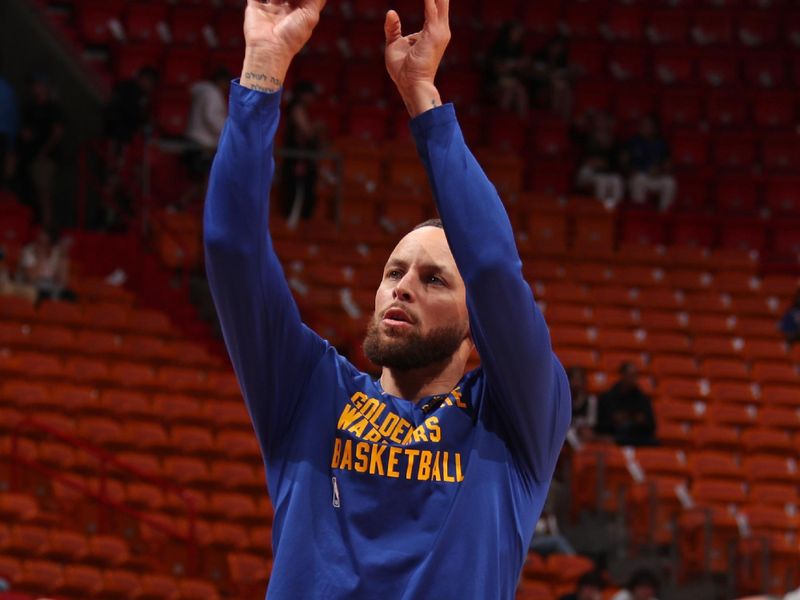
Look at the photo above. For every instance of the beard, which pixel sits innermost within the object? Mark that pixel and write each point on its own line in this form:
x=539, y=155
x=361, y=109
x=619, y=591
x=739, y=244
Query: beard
x=412, y=350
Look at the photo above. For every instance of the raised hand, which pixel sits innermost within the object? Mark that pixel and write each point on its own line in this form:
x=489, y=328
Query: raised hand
x=274, y=32
x=412, y=60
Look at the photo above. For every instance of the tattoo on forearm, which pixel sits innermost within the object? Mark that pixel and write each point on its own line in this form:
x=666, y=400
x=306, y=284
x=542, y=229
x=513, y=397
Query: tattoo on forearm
x=262, y=77
x=261, y=88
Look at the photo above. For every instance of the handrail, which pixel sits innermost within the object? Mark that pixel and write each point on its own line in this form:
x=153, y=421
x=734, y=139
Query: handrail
x=106, y=459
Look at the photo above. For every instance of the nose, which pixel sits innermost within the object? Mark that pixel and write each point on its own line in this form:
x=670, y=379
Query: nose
x=402, y=290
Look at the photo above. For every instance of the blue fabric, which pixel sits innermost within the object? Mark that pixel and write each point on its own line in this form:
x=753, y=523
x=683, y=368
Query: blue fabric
x=9, y=113
x=790, y=322
x=647, y=153
x=373, y=498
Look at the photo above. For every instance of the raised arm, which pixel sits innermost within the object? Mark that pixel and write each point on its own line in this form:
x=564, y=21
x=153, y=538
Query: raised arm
x=271, y=350
x=528, y=386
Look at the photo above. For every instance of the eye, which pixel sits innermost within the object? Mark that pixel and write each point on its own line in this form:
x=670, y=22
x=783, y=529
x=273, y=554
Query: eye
x=434, y=279
x=394, y=274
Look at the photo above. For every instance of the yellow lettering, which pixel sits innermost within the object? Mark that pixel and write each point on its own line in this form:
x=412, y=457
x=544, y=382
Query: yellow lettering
x=358, y=399
x=402, y=425
x=433, y=429
x=375, y=460
x=373, y=435
x=370, y=407
x=424, y=472
x=337, y=448
x=419, y=434
x=359, y=427
x=407, y=439
x=411, y=453
x=349, y=414
x=377, y=413
x=390, y=467
x=347, y=455
x=457, y=396
x=436, y=474
x=448, y=402
x=445, y=476
x=388, y=424
x=362, y=457
x=459, y=476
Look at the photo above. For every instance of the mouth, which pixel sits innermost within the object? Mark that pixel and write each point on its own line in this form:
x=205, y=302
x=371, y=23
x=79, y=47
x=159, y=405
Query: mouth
x=397, y=316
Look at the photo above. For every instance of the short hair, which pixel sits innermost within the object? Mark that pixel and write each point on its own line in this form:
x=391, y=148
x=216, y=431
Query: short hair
x=430, y=223
x=592, y=578
x=643, y=577
x=625, y=367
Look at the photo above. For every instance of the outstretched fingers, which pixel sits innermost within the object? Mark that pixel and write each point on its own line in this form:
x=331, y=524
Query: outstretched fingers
x=392, y=27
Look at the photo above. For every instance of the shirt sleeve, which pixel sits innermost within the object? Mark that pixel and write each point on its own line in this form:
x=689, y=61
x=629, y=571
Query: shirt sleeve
x=272, y=352
x=528, y=386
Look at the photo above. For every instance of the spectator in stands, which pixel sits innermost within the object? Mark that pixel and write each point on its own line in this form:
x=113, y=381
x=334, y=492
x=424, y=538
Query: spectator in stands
x=590, y=587
x=130, y=110
x=647, y=158
x=40, y=140
x=584, y=406
x=552, y=77
x=643, y=585
x=9, y=287
x=547, y=538
x=507, y=69
x=299, y=173
x=625, y=412
x=204, y=125
x=45, y=265
x=598, y=173
x=209, y=110
x=790, y=323
x=9, y=126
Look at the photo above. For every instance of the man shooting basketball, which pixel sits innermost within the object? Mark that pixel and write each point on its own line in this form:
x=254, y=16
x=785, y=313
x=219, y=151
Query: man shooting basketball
x=427, y=482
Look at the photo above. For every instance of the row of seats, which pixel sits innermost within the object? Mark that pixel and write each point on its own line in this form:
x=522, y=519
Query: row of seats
x=187, y=24
x=106, y=371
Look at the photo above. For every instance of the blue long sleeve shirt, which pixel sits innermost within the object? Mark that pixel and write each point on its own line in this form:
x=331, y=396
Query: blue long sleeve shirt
x=374, y=497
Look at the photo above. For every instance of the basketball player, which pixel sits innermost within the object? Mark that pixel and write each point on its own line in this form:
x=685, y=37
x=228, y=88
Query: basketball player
x=427, y=482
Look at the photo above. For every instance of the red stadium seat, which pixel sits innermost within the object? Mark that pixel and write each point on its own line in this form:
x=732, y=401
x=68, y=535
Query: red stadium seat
x=679, y=108
x=743, y=233
x=625, y=23
x=781, y=153
x=673, y=66
x=689, y=149
x=146, y=21
x=726, y=109
x=734, y=151
x=668, y=26
x=586, y=57
x=172, y=112
x=782, y=194
x=765, y=70
x=93, y=18
x=582, y=20
x=188, y=24
x=182, y=67
x=711, y=27
x=774, y=109
x=718, y=69
x=757, y=28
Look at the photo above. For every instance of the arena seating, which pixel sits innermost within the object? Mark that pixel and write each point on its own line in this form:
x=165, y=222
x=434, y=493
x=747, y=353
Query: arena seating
x=692, y=297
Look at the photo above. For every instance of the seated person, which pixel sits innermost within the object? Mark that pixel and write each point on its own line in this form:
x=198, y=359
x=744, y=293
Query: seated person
x=45, y=266
x=584, y=406
x=647, y=158
x=790, y=323
x=625, y=412
x=643, y=585
x=590, y=587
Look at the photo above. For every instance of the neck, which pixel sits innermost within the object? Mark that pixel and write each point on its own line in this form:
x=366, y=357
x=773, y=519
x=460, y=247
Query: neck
x=416, y=384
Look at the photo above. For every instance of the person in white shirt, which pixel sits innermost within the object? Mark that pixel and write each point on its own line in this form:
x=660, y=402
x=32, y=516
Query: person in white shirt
x=209, y=110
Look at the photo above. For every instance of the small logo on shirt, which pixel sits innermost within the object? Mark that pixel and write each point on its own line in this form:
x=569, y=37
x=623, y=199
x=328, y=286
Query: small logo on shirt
x=336, y=502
